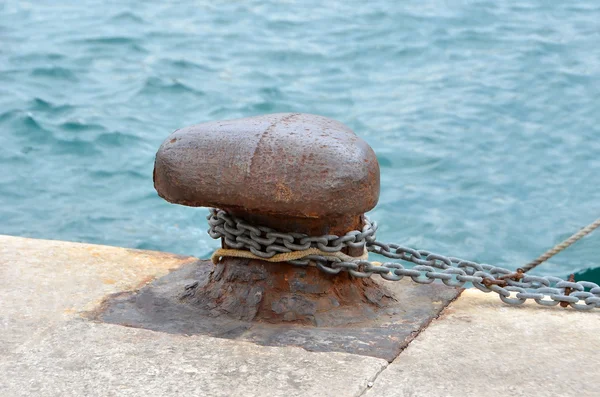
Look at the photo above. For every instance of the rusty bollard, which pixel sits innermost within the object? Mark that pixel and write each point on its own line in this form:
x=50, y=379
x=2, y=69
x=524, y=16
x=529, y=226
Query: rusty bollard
x=291, y=172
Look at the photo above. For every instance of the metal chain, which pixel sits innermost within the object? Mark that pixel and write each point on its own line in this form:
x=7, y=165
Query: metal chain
x=514, y=288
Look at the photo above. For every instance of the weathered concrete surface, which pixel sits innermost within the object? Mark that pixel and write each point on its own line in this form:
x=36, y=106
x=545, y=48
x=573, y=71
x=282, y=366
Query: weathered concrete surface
x=48, y=349
x=480, y=346
x=43, y=282
x=78, y=358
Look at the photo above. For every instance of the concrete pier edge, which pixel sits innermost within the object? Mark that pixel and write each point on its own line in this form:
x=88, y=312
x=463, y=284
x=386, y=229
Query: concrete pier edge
x=478, y=345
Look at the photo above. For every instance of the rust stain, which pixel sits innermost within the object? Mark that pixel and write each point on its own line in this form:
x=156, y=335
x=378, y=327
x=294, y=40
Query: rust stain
x=143, y=282
x=568, y=290
x=102, y=304
x=108, y=281
x=283, y=193
x=158, y=256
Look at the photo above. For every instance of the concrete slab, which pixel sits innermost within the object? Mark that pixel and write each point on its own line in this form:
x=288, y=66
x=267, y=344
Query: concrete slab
x=48, y=349
x=44, y=281
x=480, y=346
x=78, y=358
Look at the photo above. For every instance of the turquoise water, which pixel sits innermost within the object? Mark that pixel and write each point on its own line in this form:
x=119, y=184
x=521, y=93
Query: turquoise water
x=485, y=115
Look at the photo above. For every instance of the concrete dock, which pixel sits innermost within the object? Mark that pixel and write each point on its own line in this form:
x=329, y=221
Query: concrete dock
x=49, y=347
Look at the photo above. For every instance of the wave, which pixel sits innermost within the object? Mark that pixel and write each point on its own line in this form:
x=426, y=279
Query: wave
x=79, y=126
x=117, y=139
x=92, y=43
x=54, y=72
x=26, y=126
x=183, y=64
x=157, y=86
x=41, y=105
x=127, y=16
x=127, y=174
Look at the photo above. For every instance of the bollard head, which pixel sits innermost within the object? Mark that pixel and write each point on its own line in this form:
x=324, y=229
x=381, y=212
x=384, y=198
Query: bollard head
x=290, y=171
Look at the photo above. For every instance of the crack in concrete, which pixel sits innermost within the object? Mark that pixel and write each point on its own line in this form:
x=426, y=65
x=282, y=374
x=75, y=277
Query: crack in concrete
x=413, y=336
x=371, y=381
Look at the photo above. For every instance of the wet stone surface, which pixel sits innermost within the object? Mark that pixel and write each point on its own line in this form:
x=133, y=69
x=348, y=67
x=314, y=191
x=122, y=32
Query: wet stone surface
x=173, y=305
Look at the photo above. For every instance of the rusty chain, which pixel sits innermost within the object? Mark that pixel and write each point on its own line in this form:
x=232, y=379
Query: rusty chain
x=514, y=288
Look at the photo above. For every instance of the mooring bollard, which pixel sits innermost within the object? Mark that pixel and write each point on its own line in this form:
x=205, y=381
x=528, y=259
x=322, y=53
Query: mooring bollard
x=291, y=172
x=288, y=194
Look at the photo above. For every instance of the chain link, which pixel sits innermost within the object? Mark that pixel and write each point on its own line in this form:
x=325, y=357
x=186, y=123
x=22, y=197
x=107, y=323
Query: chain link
x=428, y=267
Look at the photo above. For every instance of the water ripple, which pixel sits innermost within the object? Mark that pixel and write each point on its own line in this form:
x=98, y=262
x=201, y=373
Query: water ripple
x=127, y=17
x=54, y=73
x=117, y=139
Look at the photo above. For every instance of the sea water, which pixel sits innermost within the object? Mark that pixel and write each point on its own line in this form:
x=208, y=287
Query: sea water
x=485, y=115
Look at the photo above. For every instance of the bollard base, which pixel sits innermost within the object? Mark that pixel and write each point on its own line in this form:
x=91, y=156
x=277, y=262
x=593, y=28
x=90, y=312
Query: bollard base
x=277, y=305
x=254, y=290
